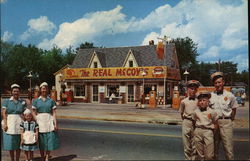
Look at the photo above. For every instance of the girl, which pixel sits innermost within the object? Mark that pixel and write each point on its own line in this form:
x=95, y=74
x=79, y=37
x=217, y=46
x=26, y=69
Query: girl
x=29, y=135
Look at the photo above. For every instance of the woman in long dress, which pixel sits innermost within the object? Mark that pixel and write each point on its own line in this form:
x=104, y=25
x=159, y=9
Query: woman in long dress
x=44, y=110
x=12, y=114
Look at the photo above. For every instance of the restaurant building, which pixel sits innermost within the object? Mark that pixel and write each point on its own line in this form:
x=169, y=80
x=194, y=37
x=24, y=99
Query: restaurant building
x=123, y=73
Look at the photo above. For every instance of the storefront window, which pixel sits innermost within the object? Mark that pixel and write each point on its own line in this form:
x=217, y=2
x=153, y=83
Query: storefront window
x=79, y=90
x=112, y=89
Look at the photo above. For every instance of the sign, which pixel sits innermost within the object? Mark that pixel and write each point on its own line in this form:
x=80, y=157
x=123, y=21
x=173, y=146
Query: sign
x=101, y=89
x=122, y=89
x=117, y=73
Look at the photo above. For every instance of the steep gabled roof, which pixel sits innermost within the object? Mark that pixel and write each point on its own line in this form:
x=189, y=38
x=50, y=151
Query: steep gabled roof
x=115, y=57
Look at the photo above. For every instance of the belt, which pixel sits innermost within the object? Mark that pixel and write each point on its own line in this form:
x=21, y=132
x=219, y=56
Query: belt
x=188, y=118
x=222, y=117
x=204, y=128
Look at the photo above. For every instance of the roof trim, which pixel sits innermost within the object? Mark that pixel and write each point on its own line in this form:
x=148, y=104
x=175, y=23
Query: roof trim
x=64, y=67
x=126, y=59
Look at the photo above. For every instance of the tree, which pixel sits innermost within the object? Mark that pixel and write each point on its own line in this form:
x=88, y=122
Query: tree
x=186, y=52
x=86, y=45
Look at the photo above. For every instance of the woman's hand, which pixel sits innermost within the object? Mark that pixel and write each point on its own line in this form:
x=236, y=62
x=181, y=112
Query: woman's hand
x=5, y=127
x=56, y=128
x=22, y=142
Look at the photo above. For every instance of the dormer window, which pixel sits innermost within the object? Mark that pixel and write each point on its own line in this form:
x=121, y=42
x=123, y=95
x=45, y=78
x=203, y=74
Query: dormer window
x=131, y=63
x=95, y=64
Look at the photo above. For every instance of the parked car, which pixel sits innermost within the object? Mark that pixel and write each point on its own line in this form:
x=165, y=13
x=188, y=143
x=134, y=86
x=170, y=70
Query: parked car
x=240, y=100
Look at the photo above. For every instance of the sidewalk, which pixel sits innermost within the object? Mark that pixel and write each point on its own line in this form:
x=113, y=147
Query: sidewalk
x=119, y=112
x=130, y=113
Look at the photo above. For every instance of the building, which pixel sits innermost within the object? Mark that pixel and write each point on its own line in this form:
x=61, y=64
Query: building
x=125, y=72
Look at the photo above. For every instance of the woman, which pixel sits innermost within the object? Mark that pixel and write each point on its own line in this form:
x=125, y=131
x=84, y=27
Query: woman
x=44, y=110
x=12, y=112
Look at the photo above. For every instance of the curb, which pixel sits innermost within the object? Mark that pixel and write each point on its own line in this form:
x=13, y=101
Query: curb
x=168, y=122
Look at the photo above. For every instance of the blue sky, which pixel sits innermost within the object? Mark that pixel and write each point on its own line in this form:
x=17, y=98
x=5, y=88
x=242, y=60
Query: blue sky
x=219, y=27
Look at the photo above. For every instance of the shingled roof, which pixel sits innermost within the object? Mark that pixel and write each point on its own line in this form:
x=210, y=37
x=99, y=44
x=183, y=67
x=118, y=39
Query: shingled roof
x=115, y=57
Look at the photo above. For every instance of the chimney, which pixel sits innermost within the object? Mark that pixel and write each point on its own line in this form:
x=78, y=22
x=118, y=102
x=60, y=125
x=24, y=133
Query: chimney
x=151, y=42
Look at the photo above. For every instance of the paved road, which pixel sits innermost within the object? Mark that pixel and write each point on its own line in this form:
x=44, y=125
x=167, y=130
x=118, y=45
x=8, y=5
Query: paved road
x=98, y=140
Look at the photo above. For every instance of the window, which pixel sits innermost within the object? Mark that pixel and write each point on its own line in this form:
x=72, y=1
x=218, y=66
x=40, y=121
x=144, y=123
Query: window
x=131, y=63
x=112, y=89
x=95, y=64
x=79, y=90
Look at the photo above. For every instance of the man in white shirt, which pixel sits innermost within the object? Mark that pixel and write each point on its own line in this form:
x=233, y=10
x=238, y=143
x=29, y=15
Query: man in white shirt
x=225, y=104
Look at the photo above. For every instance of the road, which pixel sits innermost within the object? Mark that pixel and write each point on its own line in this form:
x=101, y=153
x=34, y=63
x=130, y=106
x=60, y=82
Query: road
x=100, y=140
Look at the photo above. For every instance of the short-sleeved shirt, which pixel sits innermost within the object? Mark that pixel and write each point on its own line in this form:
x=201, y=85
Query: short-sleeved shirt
x=188, y=106
x=205, y=118
x=46, y=106
x=14, y=106
x=223, y=103
x=28, y=126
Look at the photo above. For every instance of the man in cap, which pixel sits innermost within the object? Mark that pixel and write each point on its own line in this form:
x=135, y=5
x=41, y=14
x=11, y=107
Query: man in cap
x=187, y=107
x=225, y=104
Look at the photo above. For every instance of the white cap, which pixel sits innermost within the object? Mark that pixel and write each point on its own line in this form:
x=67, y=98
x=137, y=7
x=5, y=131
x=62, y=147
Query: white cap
x=43, y=84
x=27, y=111
x=14, y=86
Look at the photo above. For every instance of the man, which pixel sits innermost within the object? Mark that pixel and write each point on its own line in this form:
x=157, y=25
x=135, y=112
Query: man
x=225, y=104
x=187, y=107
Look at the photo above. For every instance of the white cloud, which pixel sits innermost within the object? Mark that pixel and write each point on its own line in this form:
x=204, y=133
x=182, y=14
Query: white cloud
x=216, y=27
x=241, y=60
x=151, y=36
x=212, y=52
x=41, y=25
x=89, y=27
x=3, y=1
x=7, y=36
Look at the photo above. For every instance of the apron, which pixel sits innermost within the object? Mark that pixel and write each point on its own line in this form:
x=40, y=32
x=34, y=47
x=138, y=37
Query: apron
x=29, y=137
x=45, y=122
x=13, y=123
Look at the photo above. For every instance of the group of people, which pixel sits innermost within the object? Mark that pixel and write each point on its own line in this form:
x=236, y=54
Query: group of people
x=207, y=120
x=29, y=128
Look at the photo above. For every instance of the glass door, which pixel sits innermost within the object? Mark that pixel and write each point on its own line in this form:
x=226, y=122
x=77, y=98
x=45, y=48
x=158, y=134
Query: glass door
x=130, y=93
x=95, y=93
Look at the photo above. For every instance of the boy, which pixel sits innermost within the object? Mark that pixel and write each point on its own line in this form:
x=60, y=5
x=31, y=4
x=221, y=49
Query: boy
x=187, y=107
x=205, y=123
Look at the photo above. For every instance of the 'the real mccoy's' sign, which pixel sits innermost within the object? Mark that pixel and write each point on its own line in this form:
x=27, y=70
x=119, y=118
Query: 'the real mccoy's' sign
x=121, y=73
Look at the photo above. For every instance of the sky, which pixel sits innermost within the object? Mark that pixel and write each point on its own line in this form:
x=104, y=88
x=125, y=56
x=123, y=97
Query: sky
x=219, y=27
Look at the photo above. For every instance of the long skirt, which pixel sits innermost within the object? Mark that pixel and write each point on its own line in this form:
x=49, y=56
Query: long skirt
x=11, y=142
x=49, y=141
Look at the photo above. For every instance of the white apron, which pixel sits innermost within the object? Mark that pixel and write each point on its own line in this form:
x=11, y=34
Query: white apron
x=45, y=122
x=29, y=137
x=13, y=123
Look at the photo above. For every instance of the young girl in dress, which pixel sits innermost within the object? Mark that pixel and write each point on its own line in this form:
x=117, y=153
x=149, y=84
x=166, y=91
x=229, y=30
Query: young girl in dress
x=29, y=135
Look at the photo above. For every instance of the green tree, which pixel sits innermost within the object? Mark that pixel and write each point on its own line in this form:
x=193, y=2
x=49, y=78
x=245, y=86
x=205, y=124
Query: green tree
x=85, y=45
x=52, y=61
x=186, y=52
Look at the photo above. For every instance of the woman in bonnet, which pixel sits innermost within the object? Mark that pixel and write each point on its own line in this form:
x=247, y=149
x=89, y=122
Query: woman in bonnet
x=12, y=114
x=44, y=111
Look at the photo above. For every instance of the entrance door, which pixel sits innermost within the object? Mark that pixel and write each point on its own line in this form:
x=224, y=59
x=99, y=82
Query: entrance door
x=130, y=93
x=95, y=93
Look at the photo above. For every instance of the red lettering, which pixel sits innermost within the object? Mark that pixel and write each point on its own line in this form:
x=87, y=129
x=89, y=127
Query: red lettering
x=105, y=72
x=95, y=73
x=128, y=72
x=118, y=72
x=109, y=73
x=100, y=72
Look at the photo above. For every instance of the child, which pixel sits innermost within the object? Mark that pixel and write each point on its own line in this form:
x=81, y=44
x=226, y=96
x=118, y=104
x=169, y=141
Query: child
x=29, y=135
x=205, y=123
x=187, y=107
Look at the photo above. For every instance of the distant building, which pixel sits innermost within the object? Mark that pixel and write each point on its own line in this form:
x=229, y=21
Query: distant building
x=96, y=73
